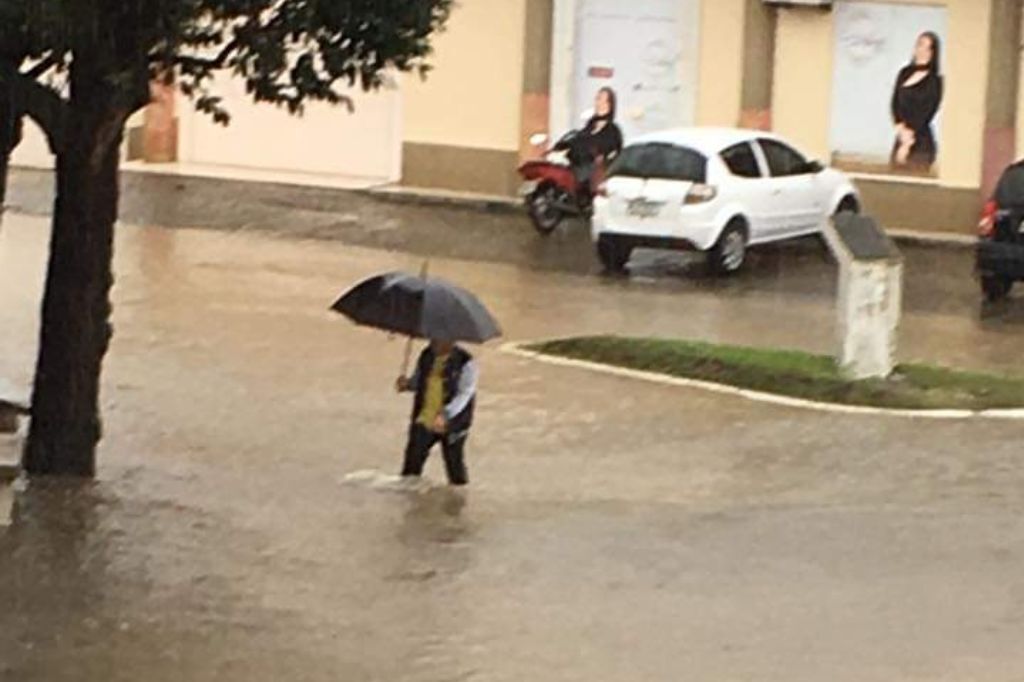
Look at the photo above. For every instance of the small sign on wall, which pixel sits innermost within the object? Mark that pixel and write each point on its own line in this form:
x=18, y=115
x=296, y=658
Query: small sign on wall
x=602, y=72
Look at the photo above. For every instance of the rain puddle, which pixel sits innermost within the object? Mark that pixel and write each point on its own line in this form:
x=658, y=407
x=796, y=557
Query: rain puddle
x=375, y=479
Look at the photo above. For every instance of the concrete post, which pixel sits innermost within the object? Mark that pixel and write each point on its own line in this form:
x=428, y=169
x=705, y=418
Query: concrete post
x=870, y=295
x=13, y=420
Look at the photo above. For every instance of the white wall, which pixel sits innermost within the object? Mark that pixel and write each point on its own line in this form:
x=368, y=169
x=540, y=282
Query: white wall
x=652, y=47
x=33, y=152
x=326, y=140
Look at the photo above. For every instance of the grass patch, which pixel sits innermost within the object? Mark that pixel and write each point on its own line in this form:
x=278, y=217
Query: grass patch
x=796, y=374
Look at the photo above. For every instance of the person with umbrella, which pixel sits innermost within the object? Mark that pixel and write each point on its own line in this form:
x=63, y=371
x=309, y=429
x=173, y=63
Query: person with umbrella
x=444, y=384
x=445, y=379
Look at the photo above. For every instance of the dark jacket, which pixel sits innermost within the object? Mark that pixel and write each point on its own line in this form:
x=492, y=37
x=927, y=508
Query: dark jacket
x=591, y=144
x=605, y=143
x=916, y=107
x=453, y=371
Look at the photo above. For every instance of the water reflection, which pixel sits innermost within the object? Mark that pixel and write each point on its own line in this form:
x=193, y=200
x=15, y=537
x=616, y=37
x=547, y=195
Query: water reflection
x=54, y=563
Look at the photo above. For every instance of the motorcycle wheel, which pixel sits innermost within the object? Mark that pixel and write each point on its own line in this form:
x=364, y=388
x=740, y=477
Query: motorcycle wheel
x=996, y=288
x=544, y=213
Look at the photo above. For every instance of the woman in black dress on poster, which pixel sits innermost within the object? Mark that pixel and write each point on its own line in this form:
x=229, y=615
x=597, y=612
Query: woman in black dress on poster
x=916, y=99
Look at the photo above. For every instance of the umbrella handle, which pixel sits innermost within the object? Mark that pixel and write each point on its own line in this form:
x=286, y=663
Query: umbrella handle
x=408, y=344
x=408, y=357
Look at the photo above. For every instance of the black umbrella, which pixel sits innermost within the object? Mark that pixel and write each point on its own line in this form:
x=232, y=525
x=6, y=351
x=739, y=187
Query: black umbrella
x=418, y=307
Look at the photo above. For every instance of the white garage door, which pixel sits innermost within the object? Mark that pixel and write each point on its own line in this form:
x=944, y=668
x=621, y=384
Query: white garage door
x=34, y=151
x=647, y=50
x=325, y=140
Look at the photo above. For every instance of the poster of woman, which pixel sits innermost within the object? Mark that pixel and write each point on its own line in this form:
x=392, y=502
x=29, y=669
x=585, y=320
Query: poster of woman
x=916, y=98
x=888, y=87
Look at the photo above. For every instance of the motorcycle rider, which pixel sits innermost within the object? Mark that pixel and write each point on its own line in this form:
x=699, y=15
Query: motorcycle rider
x=600, y=138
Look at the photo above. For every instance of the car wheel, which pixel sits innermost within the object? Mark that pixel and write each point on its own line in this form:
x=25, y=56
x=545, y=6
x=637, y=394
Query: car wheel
x=730, y=252
x=614, y=255
x=996, y=288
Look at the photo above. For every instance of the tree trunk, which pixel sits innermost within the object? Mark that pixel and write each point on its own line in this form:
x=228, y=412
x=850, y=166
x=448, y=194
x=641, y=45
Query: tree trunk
x=10, y=136
x=76, y=331
x=5, y=162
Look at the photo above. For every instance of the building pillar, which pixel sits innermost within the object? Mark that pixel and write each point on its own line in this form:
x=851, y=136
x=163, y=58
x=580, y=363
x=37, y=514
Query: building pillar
x=758, y=65
x=536, y=105
x=1019, y=119
x=160, y=130
x=1002, y=98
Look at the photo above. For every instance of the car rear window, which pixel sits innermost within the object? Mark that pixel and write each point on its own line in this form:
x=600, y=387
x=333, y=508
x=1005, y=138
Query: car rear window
x=660, y=161
x=1010, y=190
x=741, y=161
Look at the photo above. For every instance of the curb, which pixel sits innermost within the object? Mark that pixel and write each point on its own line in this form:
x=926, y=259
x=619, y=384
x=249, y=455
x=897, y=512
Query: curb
x=487, y=203
x=502, y=204
x=518, y=349
x=949, y=240
x=10, y=450
x=6, y=505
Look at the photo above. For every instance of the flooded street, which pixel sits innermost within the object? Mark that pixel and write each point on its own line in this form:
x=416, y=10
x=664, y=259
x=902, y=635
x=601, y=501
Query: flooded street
x=614, y=530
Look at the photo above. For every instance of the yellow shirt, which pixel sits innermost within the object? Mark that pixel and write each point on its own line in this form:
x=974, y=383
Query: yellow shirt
x=433, y=396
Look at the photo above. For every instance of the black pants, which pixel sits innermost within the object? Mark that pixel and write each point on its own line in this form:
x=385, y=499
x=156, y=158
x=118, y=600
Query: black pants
x=422, y=439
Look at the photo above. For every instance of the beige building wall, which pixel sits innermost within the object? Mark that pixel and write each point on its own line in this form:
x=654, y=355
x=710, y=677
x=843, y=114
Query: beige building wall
x=736, y=53
x=802, y=95
x=965, y=110
x=462, y=125
x=720, y=88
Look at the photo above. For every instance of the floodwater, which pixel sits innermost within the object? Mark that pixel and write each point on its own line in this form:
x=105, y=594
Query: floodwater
x=243, y=525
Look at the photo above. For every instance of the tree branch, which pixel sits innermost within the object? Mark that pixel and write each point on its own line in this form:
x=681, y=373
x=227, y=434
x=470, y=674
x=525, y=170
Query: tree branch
x=42, y=67
x=216, y=62
x=44, y=106
x=37, y=101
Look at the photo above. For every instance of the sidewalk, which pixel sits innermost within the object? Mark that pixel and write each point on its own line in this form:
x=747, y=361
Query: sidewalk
x=427, y=196
x=380, y=189
x=242, y=174
x=10, y=469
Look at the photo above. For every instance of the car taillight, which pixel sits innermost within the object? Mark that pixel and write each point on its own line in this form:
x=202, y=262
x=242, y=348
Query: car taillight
x=701, y=194
x=987, y=224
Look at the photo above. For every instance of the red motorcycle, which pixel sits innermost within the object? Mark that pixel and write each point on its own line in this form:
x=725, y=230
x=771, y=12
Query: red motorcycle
x=551, y=188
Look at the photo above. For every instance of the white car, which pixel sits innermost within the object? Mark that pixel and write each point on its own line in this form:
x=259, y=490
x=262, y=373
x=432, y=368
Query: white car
x=716, y=190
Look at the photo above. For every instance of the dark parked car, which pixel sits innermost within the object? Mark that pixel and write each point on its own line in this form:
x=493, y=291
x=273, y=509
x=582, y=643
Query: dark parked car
x=1000, y=256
